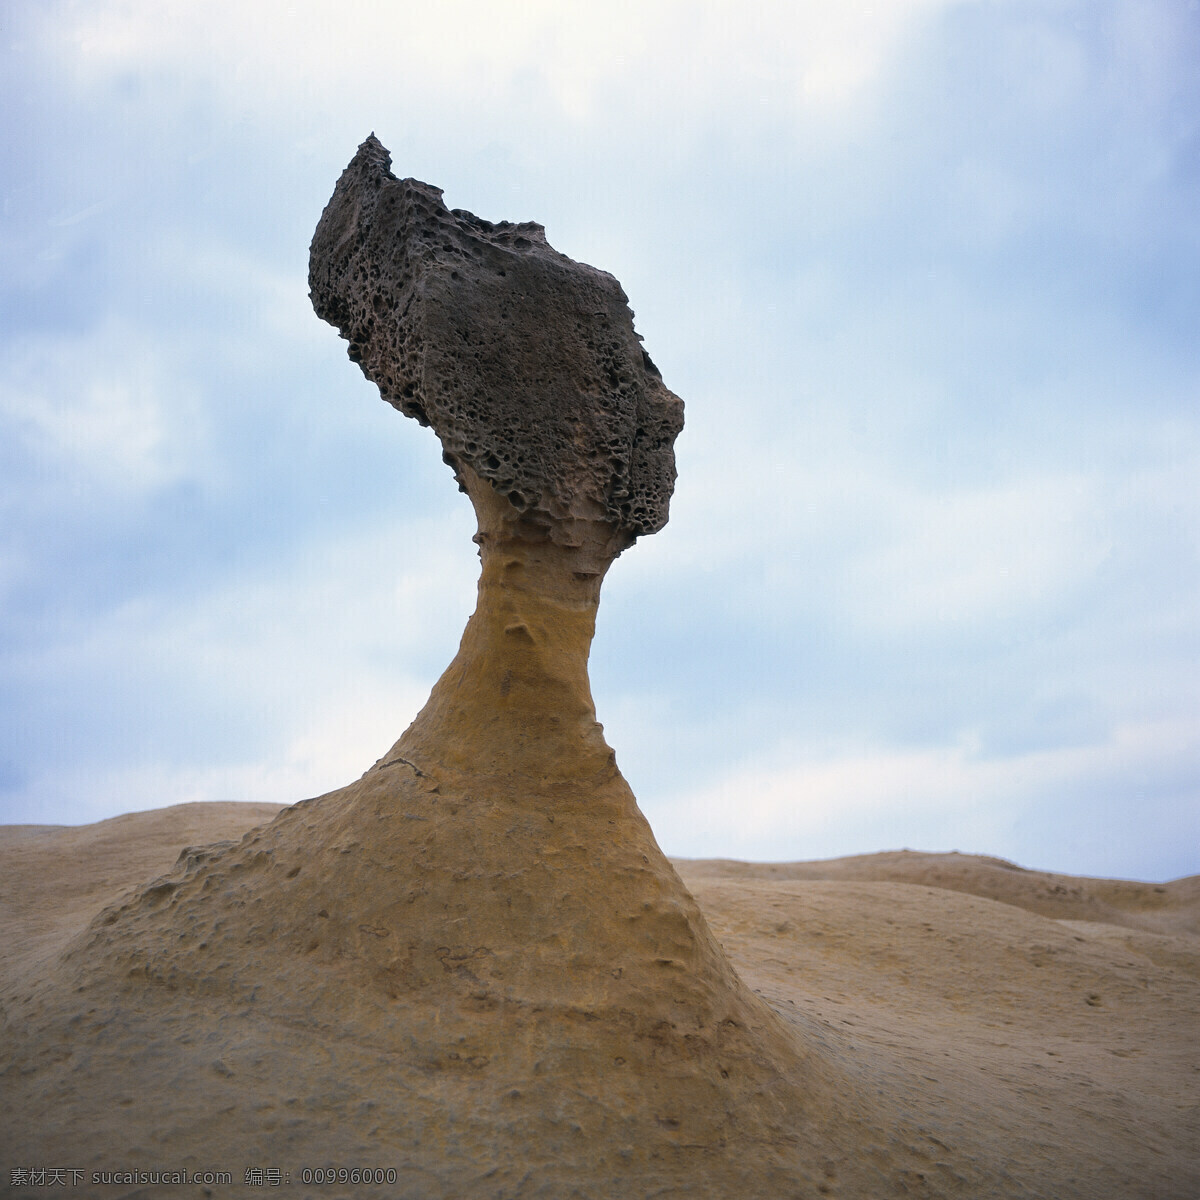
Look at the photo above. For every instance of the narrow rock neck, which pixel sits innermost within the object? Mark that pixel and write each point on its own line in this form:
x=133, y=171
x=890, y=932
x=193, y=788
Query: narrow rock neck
x=516, y=699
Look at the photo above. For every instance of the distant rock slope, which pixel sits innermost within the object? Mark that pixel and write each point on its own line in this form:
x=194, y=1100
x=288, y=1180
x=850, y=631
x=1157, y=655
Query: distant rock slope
x=1167, y=908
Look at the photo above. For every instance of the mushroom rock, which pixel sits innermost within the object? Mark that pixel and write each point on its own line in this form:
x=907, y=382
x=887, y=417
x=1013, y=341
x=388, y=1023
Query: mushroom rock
x=524, y=362
x=473, y=966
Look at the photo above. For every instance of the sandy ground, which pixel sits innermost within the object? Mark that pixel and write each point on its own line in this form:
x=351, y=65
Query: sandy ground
x=1046, y=1025
x=976, y=994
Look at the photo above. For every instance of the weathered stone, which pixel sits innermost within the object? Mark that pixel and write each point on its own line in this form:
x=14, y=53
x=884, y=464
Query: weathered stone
x=474, y=964
x=525, y=362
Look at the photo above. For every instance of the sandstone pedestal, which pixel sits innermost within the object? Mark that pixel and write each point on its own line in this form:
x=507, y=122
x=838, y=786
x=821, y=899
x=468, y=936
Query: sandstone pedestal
x=473, y=966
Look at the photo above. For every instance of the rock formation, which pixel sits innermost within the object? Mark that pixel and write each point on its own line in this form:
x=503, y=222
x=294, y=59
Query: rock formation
x=524, y=362
x=474, y=965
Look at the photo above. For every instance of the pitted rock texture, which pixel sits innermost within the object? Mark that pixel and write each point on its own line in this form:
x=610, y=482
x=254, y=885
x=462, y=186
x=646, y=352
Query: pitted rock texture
x=525, y=362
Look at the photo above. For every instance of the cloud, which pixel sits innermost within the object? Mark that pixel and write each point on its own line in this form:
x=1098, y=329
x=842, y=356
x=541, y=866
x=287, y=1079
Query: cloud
x=981, y=556
x=1037, y=807
x=103, y=408
x=813, y=50
x=924, y=274
x=340, y=740
x=299, y=673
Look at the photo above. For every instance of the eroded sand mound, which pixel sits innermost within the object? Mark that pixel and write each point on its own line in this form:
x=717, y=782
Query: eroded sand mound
x=1015, y=1054
x=1167, y=908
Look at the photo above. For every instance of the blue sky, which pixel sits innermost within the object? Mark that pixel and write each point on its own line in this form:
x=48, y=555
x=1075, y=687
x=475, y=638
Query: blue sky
x=926, y=275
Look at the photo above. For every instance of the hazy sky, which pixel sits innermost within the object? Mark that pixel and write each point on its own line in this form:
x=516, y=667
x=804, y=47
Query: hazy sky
x=926, y=274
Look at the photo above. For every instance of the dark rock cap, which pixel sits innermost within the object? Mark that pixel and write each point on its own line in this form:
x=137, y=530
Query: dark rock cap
x=524, y=361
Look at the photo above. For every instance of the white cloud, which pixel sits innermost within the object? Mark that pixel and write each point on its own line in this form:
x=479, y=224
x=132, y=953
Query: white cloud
x=799, y=53
x=821, y=520
x=340, y=739
x=274, y=302
x=105, y=406
x=347, y=609
x=868, y=798
x=979, y=555
x=284, y=682
x=919, y=439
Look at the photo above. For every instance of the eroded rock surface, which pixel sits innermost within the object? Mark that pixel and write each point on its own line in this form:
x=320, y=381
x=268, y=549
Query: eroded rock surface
x=525, y=362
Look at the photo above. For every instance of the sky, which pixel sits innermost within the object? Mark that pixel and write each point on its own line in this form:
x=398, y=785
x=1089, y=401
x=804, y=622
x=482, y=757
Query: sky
x=925, y=273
